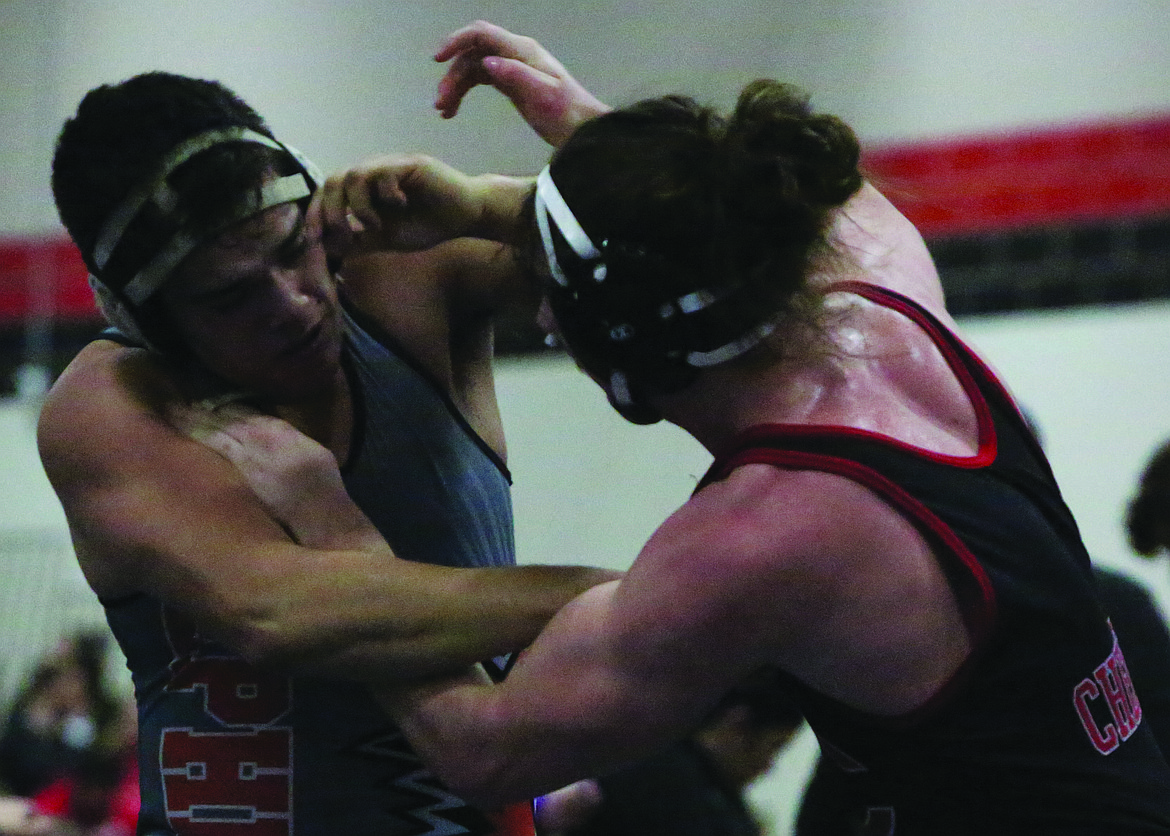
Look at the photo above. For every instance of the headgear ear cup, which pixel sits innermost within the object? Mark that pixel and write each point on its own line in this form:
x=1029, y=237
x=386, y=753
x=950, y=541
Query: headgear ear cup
x=119, y=295
x=627, y=405
x=633, y=317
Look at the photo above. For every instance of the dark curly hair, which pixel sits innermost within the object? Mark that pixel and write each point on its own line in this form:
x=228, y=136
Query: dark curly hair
x=736, y=205
x=120, y=133
x=115, y=143
x=1148, y=518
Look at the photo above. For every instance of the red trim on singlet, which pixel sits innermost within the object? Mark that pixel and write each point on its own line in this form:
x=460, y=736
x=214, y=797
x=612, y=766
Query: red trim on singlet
x=979, y=616
x=942, y=340
x=985, y=426
x=513, y=820
x=978, y=611
x=945, y=339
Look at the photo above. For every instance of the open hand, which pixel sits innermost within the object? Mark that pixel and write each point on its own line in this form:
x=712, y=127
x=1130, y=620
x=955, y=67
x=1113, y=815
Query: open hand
x=550, y=100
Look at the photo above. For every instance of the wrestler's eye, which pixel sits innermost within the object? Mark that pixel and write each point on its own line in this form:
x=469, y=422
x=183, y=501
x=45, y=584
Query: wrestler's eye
x=230, y=296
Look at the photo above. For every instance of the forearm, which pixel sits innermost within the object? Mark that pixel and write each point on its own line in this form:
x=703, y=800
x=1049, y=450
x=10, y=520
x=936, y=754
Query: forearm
x=484, y=750
x=501, y=199
x=390, y=618
x=575, y=705
x=324, y=594
x=504, y=609
x=401, y=620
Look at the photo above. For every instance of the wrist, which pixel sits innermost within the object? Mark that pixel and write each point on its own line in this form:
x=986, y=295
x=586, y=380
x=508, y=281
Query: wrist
x=501, y=199
x=582, y=107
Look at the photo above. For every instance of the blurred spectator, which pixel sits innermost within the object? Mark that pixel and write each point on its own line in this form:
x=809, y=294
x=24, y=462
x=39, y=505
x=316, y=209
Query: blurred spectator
x=1148, y=520
x=1140, y=625
x=58, y=716
x=100, y=795
x=18, y=818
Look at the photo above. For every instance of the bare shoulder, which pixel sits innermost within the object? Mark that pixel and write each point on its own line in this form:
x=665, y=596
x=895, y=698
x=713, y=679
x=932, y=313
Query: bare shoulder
x=141, y=498
x=100, y=426
x=811, y=571
x=764, y=522
x=883, y=247
x=103, y=402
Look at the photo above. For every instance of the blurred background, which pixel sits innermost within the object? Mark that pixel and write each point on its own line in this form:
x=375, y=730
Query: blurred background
x=1030, y=140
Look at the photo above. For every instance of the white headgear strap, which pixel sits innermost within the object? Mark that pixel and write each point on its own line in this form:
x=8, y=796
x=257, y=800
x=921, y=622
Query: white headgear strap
x=550, y=202
x=117, y=313
x=159, y=192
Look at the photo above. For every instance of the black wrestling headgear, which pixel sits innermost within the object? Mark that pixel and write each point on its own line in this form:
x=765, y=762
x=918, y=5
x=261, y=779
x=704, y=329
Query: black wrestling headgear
x=619, y=311
x=122, y=284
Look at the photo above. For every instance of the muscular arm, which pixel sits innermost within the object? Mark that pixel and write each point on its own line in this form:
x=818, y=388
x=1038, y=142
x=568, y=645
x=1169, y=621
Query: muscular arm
x=428, y=236
x=839, y=590
x=426, y=257
x=152, y=511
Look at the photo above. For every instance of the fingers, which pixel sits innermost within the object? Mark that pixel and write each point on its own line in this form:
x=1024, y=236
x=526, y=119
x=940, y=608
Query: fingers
x=358, y=200
x=527, y=87
x=295, y=478
x=473, y=49
x=541, y=89
x=486, y=38
x=314, y=226
x=465, y=72
x=534, y=92
x=237, y=432
x=207, y=427
x=398, y=202
x=333, y=212
x=355, y=204
x=255, y=436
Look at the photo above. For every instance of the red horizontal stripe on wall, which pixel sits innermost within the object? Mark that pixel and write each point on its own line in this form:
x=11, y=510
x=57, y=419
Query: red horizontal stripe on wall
x=962, y=186
x=1061, y=175
x=43, y=276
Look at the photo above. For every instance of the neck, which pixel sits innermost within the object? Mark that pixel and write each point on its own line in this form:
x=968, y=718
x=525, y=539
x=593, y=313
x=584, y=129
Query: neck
x=797, y=382
x=765, y=387
x=722, y=403
x=326, y=416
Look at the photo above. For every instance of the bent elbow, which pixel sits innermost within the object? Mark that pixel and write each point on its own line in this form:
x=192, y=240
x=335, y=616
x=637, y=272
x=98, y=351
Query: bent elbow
x=475, y=766
x=257, y=633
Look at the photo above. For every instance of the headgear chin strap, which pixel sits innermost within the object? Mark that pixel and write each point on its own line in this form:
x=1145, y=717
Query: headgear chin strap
x=616, y=322
x=117, y=297
x=117, y=312
x=621, y=398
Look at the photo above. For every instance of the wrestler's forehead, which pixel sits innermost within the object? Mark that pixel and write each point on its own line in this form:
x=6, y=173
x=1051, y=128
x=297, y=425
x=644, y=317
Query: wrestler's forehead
x=275, y=223
x=245, y=249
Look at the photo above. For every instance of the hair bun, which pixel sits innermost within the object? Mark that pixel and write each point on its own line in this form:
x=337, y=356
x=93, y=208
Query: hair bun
x=779, y=153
